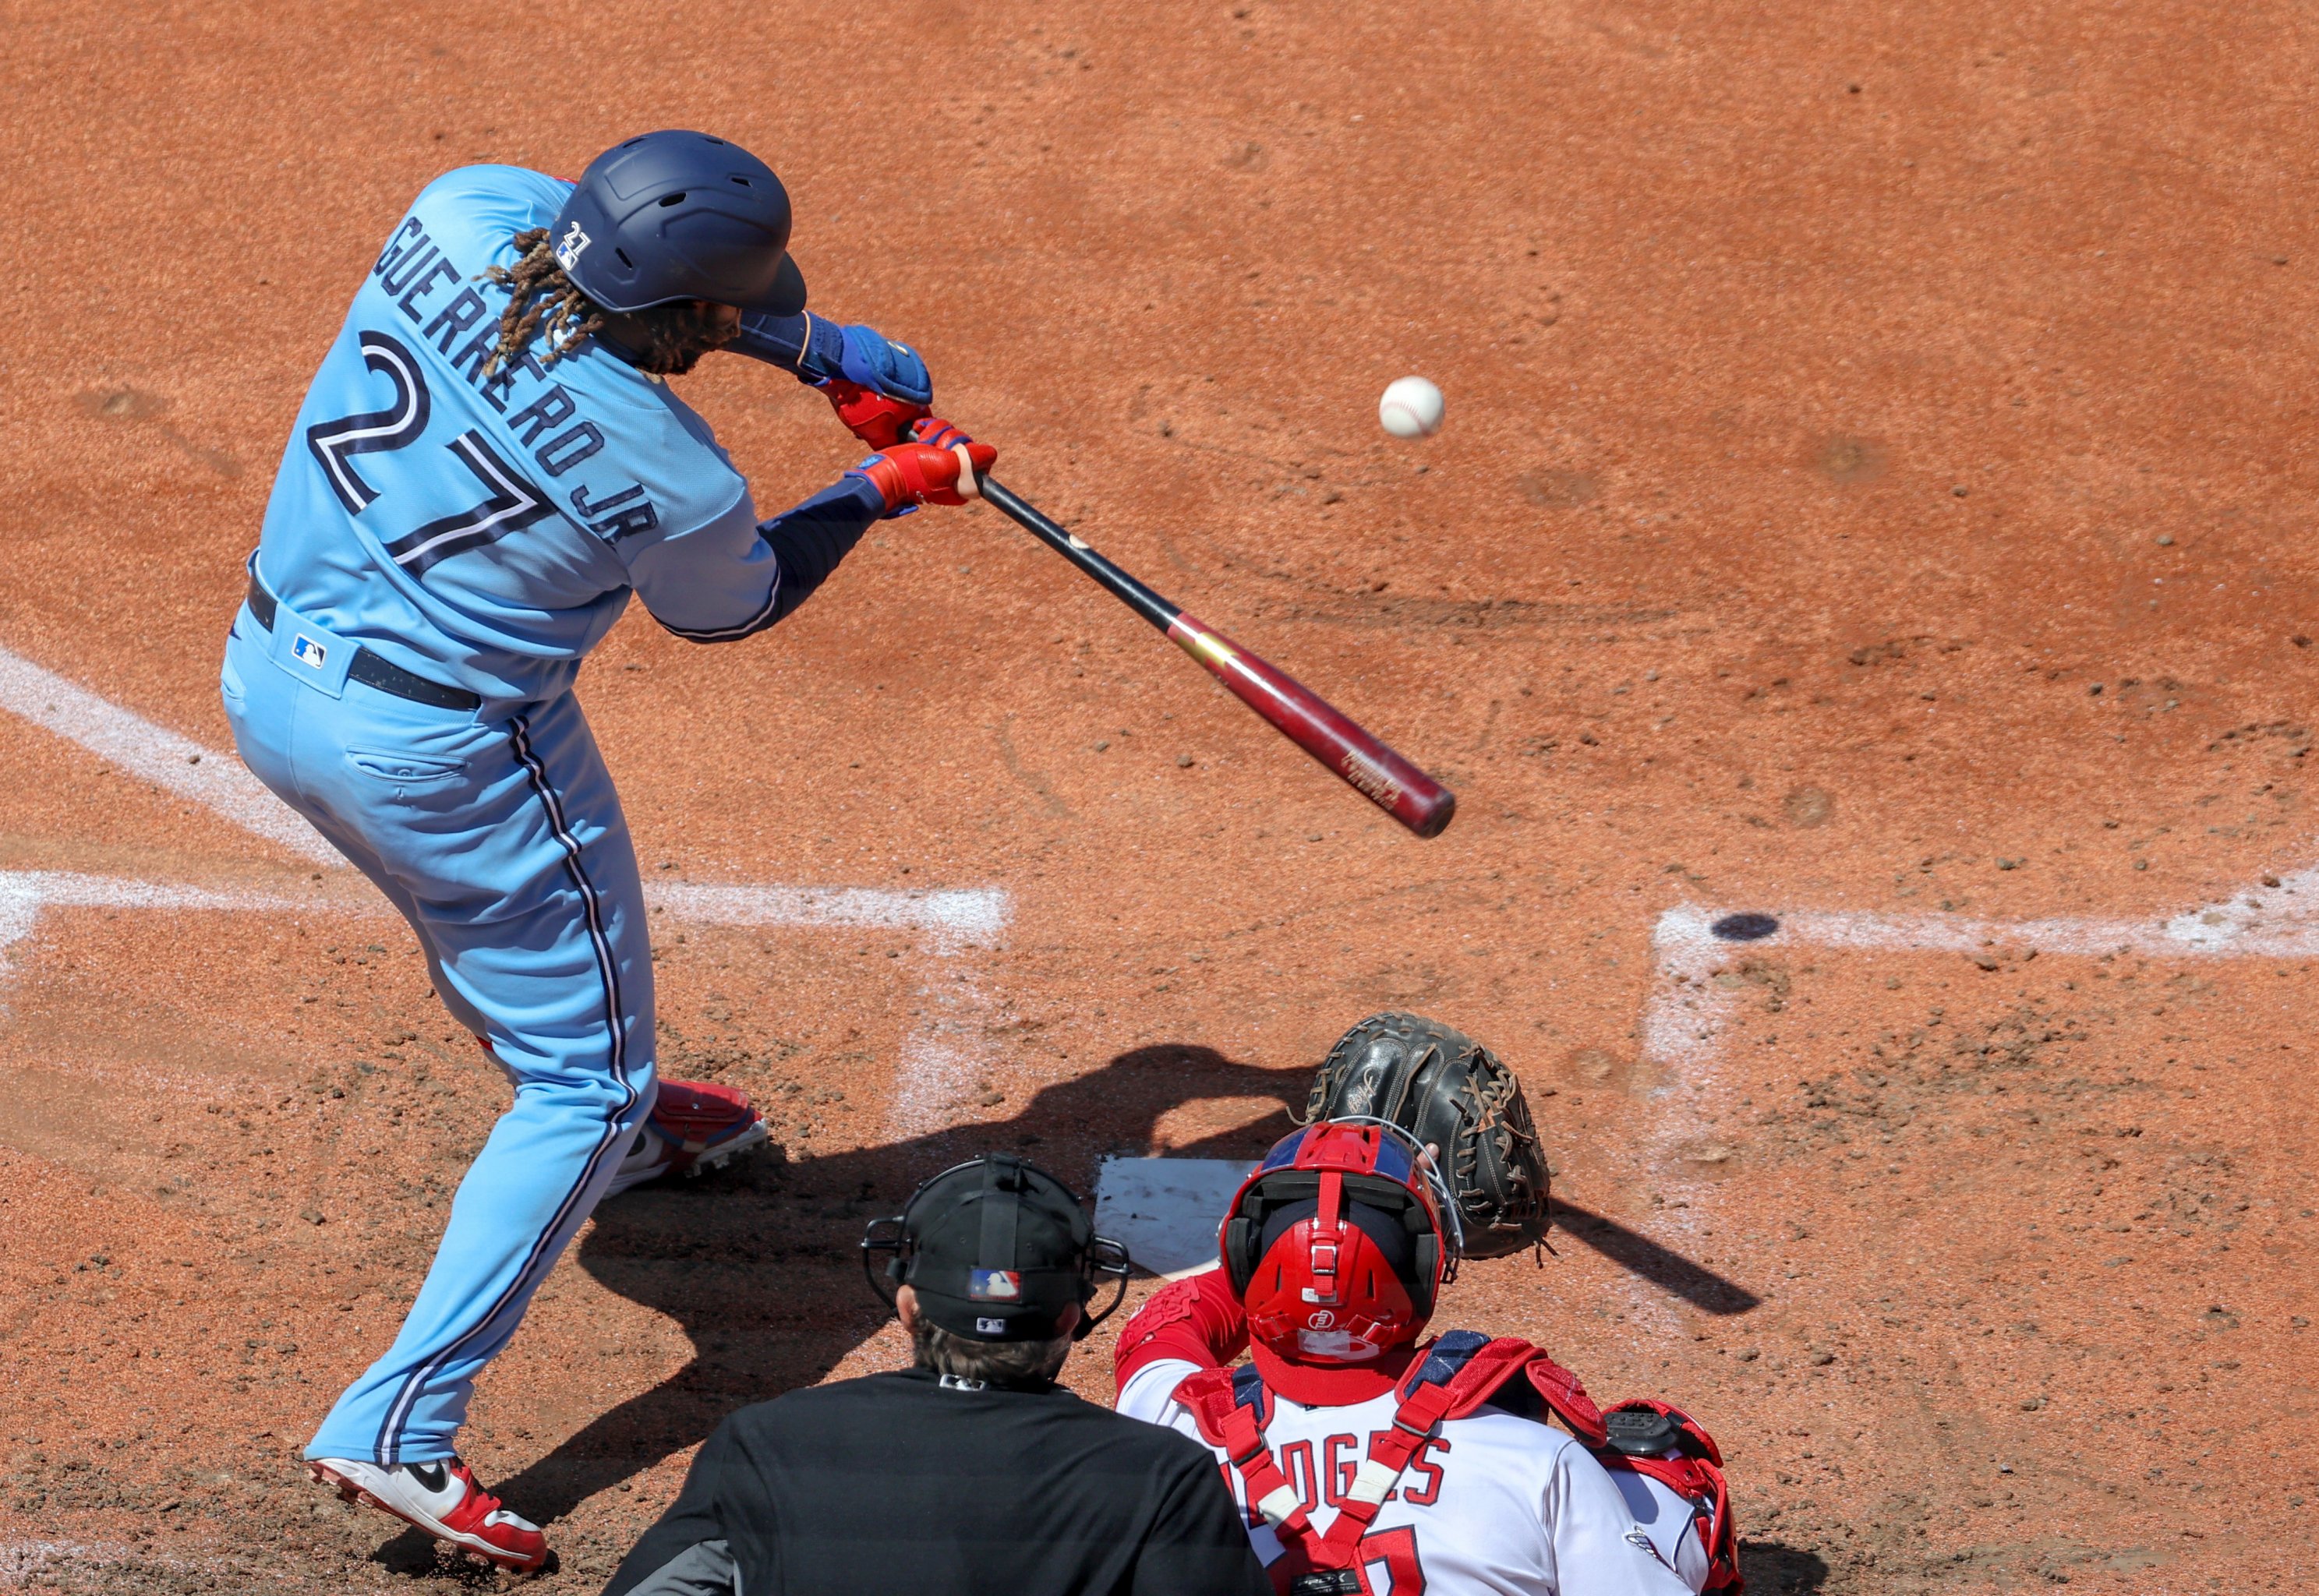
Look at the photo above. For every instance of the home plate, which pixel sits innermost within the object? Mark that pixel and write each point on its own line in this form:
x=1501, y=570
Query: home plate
x=1165, y=1210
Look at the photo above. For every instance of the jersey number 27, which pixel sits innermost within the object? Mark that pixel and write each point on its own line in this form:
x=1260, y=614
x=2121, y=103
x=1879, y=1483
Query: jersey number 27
x=510, y=503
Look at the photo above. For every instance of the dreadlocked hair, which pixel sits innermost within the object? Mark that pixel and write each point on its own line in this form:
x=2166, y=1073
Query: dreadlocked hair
x=539, y=290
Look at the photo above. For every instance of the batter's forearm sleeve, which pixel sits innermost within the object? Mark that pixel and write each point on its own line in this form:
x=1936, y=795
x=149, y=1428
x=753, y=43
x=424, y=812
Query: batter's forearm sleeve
x=1196, y=1320
x=809, y=541
x=737, y=575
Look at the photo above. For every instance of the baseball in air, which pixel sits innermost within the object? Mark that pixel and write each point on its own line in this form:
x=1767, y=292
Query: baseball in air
x=1410, y=408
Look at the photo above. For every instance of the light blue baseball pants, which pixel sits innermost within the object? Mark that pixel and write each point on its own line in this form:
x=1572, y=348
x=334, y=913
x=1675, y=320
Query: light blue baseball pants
x=503, y=844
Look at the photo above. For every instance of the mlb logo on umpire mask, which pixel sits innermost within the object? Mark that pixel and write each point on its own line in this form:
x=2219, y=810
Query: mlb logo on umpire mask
x=995, y=1286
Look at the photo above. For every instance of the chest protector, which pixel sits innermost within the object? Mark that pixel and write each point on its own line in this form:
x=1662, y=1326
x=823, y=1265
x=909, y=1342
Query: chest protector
x=1459, y=1373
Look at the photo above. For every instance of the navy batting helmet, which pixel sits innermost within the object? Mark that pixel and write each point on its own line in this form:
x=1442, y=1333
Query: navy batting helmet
x=674, y=216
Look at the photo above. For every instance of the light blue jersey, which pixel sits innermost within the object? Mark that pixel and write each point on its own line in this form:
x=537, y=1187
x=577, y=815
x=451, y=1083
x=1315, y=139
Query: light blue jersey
x=485, y=531
x=479, y=534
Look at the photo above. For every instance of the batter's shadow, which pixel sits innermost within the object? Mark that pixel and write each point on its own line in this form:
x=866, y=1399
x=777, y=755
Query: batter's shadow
x=759, y=1267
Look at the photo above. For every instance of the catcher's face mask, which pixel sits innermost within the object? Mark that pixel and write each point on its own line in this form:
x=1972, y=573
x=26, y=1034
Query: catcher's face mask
x=1337, y=1243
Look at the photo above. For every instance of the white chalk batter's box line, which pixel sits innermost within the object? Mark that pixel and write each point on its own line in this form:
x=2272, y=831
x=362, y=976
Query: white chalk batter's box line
x=935, y=1066
x=1686, y=1011
x=947, y=921
x=932, y=1071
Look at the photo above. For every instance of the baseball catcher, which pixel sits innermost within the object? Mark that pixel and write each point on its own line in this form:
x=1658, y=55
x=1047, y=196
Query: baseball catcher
x=488, y=466
x=1366, y=1460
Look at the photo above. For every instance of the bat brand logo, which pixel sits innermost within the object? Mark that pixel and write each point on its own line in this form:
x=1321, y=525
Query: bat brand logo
x=568, y=248
x=1374, y=784
x=307, y=652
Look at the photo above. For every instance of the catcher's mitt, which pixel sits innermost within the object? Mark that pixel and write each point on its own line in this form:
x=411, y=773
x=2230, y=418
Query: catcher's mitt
x=1449, y=1091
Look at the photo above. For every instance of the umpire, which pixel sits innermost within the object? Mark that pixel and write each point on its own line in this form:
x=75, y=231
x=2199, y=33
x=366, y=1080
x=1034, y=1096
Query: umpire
x=972, y=1472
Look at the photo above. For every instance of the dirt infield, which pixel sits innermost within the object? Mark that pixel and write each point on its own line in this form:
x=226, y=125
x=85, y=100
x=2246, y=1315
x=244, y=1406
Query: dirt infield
x=1877, y=487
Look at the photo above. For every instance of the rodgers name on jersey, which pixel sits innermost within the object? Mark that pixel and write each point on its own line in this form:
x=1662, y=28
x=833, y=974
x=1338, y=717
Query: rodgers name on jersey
x=1492, y=1502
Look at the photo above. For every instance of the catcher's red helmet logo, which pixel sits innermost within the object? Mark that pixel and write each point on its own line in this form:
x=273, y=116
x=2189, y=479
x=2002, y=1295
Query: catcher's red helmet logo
x=1338, y=1242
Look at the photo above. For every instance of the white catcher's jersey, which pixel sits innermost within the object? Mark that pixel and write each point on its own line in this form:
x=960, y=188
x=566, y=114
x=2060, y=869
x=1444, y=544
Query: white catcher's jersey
x=1492, y=1504
x=1669, y=1520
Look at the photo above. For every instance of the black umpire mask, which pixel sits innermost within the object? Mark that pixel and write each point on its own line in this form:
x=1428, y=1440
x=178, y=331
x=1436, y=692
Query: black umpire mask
x=997, y=1249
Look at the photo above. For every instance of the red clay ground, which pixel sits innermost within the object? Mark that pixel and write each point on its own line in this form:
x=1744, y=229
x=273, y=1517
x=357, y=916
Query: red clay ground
x=1836, y=395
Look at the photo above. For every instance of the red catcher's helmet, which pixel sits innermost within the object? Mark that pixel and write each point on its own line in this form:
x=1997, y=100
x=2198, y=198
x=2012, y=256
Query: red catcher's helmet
x=1338, y=1242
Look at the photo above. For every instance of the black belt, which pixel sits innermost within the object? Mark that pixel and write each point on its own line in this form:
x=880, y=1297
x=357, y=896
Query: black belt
x=374, y=672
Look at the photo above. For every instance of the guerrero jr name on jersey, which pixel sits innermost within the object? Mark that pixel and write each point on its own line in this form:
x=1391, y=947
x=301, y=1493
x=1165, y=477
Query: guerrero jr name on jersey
x=503, y=508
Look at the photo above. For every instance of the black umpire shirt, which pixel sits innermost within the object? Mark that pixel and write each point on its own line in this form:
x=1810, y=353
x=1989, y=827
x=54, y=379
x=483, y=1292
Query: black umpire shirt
x=906, y=1485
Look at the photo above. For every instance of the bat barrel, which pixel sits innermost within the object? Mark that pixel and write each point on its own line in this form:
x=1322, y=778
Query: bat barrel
x=1363, y=762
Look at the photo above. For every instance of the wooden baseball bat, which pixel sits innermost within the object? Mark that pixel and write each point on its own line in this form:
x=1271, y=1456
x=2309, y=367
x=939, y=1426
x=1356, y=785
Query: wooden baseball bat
x=1359, y=759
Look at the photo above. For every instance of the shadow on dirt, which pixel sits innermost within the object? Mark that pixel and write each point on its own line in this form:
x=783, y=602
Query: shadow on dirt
x=1773, y=1567
x=1671, y=1271
x=760, y=1266
x=765, y=1274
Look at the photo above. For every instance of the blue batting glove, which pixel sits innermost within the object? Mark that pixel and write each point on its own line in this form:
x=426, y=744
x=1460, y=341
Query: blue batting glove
x=878, y=363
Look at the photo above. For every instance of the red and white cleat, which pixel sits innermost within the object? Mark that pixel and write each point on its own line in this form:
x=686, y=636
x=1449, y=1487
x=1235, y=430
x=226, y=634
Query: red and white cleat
x=442, y=1498
x=694, y=1126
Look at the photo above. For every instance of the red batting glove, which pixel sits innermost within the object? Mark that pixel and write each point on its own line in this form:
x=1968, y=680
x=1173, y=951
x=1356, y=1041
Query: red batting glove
x=913, y=473
x=941, y=434
x=871, y=416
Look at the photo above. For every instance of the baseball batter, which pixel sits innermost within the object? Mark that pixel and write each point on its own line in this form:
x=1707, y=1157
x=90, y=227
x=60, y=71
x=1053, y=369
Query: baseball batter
x=488, y=463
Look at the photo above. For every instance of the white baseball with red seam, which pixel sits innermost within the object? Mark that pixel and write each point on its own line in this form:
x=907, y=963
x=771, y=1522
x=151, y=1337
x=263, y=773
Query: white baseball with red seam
x=1410, y=408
